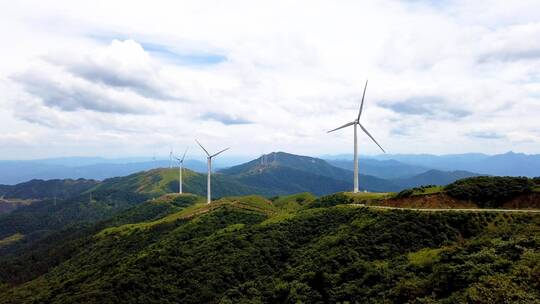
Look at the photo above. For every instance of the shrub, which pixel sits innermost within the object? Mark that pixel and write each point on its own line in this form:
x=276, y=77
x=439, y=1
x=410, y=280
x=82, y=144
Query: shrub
x=405, y=193
x=332, y=200
x=489, y=191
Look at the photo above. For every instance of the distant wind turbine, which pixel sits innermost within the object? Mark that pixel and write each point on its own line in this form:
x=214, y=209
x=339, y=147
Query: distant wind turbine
x=180, y=169
x=170, y=158
x=209, y=162
x=356, y=123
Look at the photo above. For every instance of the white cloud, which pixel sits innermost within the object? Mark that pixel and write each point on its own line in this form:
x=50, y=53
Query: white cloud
x=456, y=76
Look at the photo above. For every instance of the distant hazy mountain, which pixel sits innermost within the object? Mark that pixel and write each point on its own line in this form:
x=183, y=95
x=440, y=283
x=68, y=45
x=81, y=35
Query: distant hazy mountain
x=389, y=166
x=387, y=169
x=13, y=172
x=507, y=164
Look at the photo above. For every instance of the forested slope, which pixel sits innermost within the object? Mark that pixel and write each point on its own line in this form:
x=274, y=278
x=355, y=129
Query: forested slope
x=249, y=249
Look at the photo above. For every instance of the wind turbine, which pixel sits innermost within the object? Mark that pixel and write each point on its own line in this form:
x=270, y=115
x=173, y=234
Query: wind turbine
x=209, y=162
x=170, y=158
x=180, y=169
x=356, y=123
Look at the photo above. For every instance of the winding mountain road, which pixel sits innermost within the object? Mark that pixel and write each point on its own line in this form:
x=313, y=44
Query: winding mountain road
x=449, y=209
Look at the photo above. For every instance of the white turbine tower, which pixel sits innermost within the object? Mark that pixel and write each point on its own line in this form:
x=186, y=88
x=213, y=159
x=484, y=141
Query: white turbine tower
x=170, y=158
x=180, y=169
x=209, y=162
x=356, y=123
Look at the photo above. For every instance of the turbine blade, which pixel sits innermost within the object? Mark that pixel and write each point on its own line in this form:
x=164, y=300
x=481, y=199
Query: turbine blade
x=362, y=103
x=202, y=148
x=364, y=129
x=220, y=152
x=184, y=156
x=344, y=126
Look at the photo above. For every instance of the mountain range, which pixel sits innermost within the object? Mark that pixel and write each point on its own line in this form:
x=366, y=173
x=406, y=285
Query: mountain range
x=389, y=167
x=507, y=164
x=277, y=173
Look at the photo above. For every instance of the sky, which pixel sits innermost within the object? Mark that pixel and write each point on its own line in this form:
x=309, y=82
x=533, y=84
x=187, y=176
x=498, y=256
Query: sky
x=133, y=78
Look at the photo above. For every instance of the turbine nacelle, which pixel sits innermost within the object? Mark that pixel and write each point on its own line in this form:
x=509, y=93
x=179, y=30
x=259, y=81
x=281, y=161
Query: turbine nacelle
x=181, y=160
x=208, y=154
x=357, y=121
x=180, y=168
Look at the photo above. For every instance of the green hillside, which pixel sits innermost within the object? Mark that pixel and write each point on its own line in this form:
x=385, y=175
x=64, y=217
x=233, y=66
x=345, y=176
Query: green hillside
x=23, y=258
x=41, y=189
x=283, y=173
x=157, y=182
x=131, y=239
x=45, y=216
x=288, y=250
x=308, y=164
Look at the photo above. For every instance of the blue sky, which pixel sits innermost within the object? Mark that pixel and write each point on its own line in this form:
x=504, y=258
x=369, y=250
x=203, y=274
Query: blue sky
x=127, y=79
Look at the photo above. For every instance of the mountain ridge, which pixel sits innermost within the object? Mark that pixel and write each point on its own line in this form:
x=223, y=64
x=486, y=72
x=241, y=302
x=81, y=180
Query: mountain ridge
x=513, y=164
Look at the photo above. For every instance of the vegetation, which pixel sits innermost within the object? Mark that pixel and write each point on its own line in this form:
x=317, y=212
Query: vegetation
x=40, y=189
x=405, y=193
x=332, y=200
x=490, y=191
x=231, y=253
x=11, y=239
x=293, y=202
x=536, y=181
x=50, y=215
x=29, y=259
x=158, y=182
x=122, y=241
x=422, y=190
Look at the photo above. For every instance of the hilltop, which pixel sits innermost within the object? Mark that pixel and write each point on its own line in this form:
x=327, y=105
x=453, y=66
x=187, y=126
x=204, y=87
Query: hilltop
x=157, y=182
x=284, y=173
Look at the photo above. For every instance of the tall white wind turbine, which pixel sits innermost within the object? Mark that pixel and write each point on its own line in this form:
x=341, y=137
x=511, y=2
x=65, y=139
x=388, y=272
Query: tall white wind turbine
x=180, y=169
x=209, y=162
x=356, y=123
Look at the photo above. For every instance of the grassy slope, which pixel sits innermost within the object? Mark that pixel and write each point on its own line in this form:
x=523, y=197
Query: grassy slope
x=254, y=250
x=157, y=182
x=11, y=239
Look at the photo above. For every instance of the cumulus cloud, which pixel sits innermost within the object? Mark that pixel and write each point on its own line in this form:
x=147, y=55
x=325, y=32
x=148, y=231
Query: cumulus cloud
x=428, y=106
x=486, y=135
x=122, y=64
x=115, y=79
x=442, y=75
x=69, y=94
x=226, y=119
